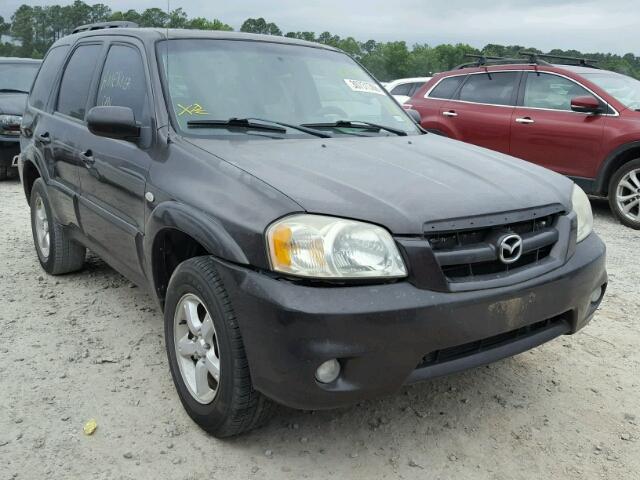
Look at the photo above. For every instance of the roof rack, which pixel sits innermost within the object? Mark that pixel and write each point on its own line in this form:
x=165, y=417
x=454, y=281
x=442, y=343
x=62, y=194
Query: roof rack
x=103, y=25
x=530, y=58
x=484, y=60
x=582, y=61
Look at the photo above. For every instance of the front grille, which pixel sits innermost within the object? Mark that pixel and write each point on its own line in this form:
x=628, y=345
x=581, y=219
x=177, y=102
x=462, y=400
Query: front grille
x=468, y=254
x=460, y=351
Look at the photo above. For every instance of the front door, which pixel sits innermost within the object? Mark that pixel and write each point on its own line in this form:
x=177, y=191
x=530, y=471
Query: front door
x=113, y=181
x=544, y=129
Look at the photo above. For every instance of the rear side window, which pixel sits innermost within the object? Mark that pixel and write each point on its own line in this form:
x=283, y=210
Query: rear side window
x=76, y=81
x=46, y=76
x=415, y=87
x=403, y=89
x=553, y=92
x=123, y=82
x=495, y=88
x=446, y=88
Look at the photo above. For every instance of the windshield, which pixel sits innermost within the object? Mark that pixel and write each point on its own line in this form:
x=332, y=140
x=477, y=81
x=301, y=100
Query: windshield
x=624, y=89
x=295, y=85
x=17, y=76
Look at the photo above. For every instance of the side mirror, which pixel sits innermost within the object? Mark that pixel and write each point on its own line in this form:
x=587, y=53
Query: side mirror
x=113, y=122
x=586, y=104
x=415, y=115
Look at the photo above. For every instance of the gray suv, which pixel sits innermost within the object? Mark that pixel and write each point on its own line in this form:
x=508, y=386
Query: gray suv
x=308, y=243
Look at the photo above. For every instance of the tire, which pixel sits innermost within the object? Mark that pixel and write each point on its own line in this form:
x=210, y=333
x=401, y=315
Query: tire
x=64, y=255
x=621, y=183
x=235, y=407
x=4, y=173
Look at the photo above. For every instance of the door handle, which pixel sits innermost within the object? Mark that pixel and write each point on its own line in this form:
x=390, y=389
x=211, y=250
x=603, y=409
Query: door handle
x=87, y=157
x=43, y=137
x=450, y=113
x=525, y=120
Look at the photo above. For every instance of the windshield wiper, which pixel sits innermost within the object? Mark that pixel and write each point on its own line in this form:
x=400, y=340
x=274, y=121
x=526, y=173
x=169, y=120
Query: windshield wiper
x=234, y=123
x=357, y=124
x=250, y=123
x=12, y=90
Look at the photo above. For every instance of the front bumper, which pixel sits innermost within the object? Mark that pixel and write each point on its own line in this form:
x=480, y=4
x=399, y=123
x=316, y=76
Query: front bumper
x=381, y=334
x=9, y=148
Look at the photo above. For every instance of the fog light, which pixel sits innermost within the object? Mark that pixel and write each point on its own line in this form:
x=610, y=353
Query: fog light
x=328, y=371
x=595, y=296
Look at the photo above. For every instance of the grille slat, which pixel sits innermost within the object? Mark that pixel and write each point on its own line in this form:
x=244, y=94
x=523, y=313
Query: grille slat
x=460, y=351
x=470, y=255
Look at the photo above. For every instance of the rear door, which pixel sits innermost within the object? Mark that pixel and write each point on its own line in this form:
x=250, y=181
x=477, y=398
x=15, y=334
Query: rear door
x=38, y=124
x=544, y=129
x=481, y=111
x=67, y=128
x=114, y=175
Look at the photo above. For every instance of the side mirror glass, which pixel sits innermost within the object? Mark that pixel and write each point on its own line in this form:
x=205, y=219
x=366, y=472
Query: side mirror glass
x=113, y=122
x=586, y=104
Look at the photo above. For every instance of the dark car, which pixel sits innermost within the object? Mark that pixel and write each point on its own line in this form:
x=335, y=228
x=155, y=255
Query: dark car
x=16, y=77
x=308, y=243
x=578, y=120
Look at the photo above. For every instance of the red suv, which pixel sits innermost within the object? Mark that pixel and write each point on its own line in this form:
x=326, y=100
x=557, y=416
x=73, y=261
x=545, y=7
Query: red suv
x=577, y=120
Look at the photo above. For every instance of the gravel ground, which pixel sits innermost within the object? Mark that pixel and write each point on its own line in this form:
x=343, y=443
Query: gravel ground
x=90, y=345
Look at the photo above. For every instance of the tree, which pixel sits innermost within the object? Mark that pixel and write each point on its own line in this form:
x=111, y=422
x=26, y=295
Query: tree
x=4, y=26
x=201, y=23
x=22, y=29
x=154, y=17
x=260, y=25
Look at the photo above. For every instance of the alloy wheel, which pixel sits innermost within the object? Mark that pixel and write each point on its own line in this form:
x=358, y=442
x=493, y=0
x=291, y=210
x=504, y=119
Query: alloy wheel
x=197, y=350
x=628, y=195
x=42, y=228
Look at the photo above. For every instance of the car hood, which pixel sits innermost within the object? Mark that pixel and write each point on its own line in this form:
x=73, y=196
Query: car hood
x=398, y=182
x=12, y=103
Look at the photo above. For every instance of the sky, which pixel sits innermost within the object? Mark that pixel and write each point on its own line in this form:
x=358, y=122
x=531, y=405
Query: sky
x=585, y=25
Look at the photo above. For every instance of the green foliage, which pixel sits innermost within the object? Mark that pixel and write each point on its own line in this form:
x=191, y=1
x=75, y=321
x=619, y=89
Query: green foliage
x=260, y=25
x=37, y=27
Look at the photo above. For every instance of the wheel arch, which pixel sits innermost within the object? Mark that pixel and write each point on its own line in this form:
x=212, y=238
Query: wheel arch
x=615, y=160
x=176, y=233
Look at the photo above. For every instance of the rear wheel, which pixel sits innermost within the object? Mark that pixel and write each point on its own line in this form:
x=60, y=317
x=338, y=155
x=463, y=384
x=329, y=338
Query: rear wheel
x=206, y=353
x=56, y=251
x=624, y=194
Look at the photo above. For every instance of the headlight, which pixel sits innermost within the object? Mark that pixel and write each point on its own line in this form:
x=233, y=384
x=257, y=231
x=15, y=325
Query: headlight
x=328, y=247
x=582, y=207
x=10, y=124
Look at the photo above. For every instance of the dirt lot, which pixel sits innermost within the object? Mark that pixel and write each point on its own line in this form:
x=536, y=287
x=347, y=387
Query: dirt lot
x=90, y=345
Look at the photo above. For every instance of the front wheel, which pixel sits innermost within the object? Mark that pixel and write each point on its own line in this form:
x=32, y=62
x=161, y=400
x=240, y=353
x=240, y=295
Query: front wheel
x=624, y=194
x=206, y=353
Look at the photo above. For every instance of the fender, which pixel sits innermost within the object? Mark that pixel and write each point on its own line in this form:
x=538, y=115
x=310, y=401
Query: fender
x=610, y=165
x=195, y=223
x=31, y=155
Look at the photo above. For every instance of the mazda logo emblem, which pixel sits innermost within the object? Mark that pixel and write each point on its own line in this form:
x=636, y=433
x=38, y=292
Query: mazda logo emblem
x=510, y=248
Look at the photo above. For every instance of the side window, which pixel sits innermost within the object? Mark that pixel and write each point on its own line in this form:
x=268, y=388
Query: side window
x=415, y=87
x=446, y=88
x=402, y=89
x=123, y=82
x=551, y=91
x=495, y=88
x=76, y=81
x=46, y=76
